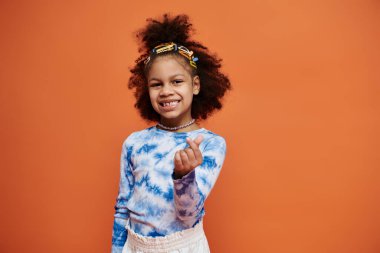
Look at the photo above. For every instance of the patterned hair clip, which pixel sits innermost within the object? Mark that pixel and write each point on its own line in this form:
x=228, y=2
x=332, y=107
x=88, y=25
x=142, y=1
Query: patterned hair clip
x=171, y=46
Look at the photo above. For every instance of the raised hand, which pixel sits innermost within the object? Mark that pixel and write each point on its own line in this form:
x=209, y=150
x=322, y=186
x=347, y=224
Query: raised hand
x=185, y=160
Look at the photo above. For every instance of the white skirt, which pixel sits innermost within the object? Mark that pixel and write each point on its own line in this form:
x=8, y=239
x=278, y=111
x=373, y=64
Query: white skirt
x=192, y=240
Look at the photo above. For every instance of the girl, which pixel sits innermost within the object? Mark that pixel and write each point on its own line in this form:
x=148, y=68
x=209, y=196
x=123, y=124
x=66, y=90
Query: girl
x=168, y=170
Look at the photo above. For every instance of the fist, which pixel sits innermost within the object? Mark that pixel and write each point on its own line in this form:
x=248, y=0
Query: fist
x=185, y=160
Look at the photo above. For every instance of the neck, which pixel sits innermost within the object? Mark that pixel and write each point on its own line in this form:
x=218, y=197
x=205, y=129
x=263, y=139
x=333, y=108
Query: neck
x=185, y=129
x=186, y=126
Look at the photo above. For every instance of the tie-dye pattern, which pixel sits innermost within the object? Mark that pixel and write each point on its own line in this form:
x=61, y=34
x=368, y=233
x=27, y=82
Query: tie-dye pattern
x=149, y=198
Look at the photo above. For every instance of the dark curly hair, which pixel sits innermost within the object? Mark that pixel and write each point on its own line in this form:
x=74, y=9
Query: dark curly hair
x=178, y=29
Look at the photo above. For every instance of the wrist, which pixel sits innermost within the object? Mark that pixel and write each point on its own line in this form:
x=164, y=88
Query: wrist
x=177, y=175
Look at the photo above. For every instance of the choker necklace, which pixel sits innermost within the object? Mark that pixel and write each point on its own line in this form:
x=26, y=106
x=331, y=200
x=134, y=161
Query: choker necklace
x=178, y=127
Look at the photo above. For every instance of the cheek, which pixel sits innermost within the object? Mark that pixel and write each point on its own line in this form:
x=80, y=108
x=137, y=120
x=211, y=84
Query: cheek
x=152, y=96
x=188, y=94
x=151, y=93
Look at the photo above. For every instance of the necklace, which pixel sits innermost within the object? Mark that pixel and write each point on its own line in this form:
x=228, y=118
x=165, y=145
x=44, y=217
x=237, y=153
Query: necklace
x=177, y=127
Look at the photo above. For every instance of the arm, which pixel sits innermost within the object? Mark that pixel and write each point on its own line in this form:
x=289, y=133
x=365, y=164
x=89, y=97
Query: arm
x=121, y=216
x=191, y=190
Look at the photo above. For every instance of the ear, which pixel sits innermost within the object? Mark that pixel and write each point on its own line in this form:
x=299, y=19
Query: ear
x=196, y=85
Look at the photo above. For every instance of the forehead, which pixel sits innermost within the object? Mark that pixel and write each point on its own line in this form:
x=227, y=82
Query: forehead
x=166, y=66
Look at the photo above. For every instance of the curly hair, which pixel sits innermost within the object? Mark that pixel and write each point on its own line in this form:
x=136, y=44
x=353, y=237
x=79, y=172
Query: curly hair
x=178, y=29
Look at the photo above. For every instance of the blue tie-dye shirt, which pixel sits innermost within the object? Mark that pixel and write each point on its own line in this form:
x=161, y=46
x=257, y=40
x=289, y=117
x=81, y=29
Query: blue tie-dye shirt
x=149, y=198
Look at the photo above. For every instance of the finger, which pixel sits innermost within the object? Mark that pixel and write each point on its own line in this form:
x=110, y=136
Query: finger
x=191, y=156
x=177, y=161
x=185, y=160
x=195, y=148
x=199, y=139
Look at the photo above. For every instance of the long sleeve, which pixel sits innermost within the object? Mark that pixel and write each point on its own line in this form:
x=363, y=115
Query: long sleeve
x=191, y=191
x=121, y=216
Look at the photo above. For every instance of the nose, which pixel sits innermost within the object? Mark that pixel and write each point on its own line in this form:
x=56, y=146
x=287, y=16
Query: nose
x=166, y=90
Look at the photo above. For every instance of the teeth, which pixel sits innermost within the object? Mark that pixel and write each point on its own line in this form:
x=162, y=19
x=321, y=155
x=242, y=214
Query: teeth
x=170, y=103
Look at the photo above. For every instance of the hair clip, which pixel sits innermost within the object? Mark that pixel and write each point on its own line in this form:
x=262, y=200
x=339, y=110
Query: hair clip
x=164, y=48
x=171, y=46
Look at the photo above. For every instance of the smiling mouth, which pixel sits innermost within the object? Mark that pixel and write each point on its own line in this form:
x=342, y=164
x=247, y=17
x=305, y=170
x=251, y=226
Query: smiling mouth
x=169, y=104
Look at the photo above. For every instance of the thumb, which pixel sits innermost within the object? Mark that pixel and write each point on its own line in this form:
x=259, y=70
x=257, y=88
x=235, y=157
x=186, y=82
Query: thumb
x=199, y=139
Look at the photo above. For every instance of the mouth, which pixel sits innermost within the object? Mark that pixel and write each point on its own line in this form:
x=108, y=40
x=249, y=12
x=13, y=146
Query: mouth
x=169, y=105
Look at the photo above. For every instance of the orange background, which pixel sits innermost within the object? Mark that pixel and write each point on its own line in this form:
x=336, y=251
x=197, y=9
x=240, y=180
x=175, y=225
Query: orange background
x=302, y=123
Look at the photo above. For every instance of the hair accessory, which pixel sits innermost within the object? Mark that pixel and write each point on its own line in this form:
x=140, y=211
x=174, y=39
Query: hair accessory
x=178, y=127
x=172, y=46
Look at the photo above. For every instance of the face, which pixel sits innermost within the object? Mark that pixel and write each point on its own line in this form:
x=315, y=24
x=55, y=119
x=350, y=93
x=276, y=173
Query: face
x=171, y=90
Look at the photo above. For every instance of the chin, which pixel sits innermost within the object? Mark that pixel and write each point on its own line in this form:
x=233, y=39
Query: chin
x=169, y=115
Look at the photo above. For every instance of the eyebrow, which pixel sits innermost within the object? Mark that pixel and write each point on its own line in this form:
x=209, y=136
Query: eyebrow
x=154, y=78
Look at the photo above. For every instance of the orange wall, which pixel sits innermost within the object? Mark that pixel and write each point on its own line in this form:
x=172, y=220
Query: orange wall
x=302, y=123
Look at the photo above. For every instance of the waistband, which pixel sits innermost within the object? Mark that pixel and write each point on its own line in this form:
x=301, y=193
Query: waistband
x=169, y=242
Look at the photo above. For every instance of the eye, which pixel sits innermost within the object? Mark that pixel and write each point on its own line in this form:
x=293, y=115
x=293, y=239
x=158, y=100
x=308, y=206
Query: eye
x=177, y=81
x=154, y=84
